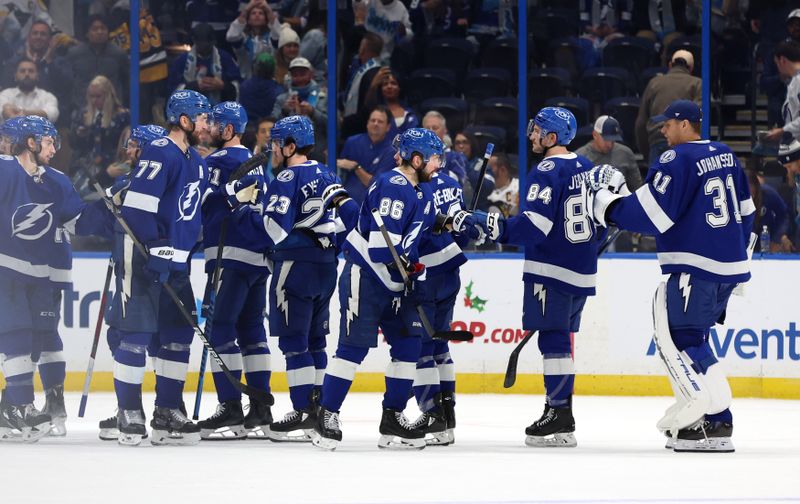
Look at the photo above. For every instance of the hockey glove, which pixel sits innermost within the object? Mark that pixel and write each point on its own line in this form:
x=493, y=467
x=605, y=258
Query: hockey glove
x=597, y=203
x=244, y=190
x=466, y=223
x=413, y=269
x=492, y=223
x=159, y=258
x=116, y=193
x=333, y=195
x=607, y=177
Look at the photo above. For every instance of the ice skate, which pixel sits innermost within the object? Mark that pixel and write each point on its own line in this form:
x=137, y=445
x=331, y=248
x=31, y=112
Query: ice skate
x=434, y=427
x=226, y=424
x=705, y=436
x=54, y=406
x=449, y=407
x=398, y=434
x=258, y=421
x=130, y=427
x=327, y=430
x=556, y=428
x=23, y=423
x=296, y=426
x=171, y=427
x=109, y=430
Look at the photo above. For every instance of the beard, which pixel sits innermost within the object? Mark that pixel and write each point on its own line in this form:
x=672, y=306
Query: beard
x=424, y=175
x=26, y=85
x=193, y=138
x=217, y=141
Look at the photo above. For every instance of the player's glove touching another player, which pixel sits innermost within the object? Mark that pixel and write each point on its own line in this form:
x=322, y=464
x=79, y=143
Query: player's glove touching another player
x=493, y=224
x=244, y=190
x=603, y=186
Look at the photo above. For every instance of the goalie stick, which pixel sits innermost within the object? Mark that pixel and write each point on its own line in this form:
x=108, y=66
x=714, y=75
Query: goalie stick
x=513, y=359
x=251, y=392
x=443, y=335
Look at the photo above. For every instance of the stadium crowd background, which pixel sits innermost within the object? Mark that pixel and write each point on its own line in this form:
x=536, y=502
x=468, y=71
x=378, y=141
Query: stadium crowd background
x=448, y=65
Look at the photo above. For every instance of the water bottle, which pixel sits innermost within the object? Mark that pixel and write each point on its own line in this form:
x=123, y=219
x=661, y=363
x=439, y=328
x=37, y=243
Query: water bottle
x=764, y=240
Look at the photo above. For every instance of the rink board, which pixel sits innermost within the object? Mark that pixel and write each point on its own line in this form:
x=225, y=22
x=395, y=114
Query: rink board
x=759, y=346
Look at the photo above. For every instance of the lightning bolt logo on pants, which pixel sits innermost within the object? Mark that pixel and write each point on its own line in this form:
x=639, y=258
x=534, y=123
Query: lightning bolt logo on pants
x=541, y=293
x=280, y=291
x=686, y=289
x=352, y=300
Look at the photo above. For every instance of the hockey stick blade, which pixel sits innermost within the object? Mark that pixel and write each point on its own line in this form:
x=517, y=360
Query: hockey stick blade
x=253, y=393
x=513, y=359
x=484, y=165
x=246, y=167
x=453, y=335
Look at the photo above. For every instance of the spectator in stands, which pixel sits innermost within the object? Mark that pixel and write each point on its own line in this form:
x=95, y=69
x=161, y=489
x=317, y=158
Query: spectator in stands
x=206, y=68
x=605, y=148
x=367, y=155
x=304, y=96
x=294, y=12
x=288, y=50
x=789, y=156
x=217, y=14
x=455, y=162
x=255, y=31
x=505, y=196
x=787, y=59
x=96, y=57
x=41, y=47
x=369, y=52
x=467, y=144
x=432, y=19
x=677, y=84
x=389, y=20
x=263, y=133
x=258, y=93
x=662, y=21
x=771, y=82
x=27, y=98
x=385, y=90
x=96, y=131
x=771, y=211
x=601, y=22
x=314, y=43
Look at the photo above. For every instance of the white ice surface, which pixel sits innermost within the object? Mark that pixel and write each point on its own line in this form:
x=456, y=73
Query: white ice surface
x=619, y=458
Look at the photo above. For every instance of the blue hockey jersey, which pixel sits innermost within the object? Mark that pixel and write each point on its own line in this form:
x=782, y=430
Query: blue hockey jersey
x=164, y=198
x=441, y=253
x=241, y=250
x=559, y=237
x=696, y=200
x=407, y=212
x=295, y=226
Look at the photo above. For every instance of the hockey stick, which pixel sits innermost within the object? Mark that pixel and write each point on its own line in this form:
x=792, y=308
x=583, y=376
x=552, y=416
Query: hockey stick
x=443, y=335
x=97, y=329
x=513, y=359
x=484, y=165
x=242, y=170
x=253, y=393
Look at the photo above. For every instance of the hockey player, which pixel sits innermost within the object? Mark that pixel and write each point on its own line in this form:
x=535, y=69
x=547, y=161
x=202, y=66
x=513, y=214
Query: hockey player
x=560, y=264
x=237, y=322
x=371, y=293
x=299, y=227
x=696, y=200
x=162, y=208
x=139, y=138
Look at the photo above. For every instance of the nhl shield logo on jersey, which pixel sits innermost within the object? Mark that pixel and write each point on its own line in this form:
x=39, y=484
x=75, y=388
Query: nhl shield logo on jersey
x=31, y=221
x=667, y=156
x=399, y=180
x=285, y=175
x=546, y=165
x=189, y=201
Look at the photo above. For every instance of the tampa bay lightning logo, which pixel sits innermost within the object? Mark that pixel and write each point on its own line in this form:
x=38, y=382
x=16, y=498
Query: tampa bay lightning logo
x=31, y=221
x=161, y=142
x=285, y=175
x=399, y=180
x=667, y=156
x=189, y=201
x=546, y=165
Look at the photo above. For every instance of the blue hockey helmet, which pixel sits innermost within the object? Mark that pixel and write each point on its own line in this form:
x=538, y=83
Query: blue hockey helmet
x=38, y=128
x=229, y=112
x=146, y=133
x=556, y=120
x=10, y=129
x=419, y=141
x=188, y=103
x=296, y=128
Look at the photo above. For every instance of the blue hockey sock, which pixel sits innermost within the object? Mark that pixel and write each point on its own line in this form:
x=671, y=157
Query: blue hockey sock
x=17, y=367
x=300, y=374
x=400, y=372
x=256, y=358
x=444, y=363
x=52, y=367
x=129, y=362
x=559, y=379
x=340, y=374
x=172, y=363
x=320, y=365
x=426, y=380
x=223, y=338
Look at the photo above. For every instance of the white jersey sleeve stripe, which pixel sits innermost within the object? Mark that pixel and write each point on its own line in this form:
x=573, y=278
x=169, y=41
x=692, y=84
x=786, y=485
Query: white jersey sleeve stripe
x=441, y=256
x=239, y=255
x=660, y=220
x=540, y=221
x=747, y=207
x=582, y=280
x=274, y=230
x=376, y=239
x=139, y=201
x=703, y=263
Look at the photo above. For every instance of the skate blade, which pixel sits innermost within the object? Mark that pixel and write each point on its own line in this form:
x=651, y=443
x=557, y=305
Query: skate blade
x=389, y=442
x=34, y=434
x=710, y=445
x=259, y=433
x=109, y=434
x=129, y=439
x=59, y=427
x=9, y=435
x=295, y=436
x=324, y=443
x=439, y=439
x=227, y=433
x=560, y=440
x=166, y=438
